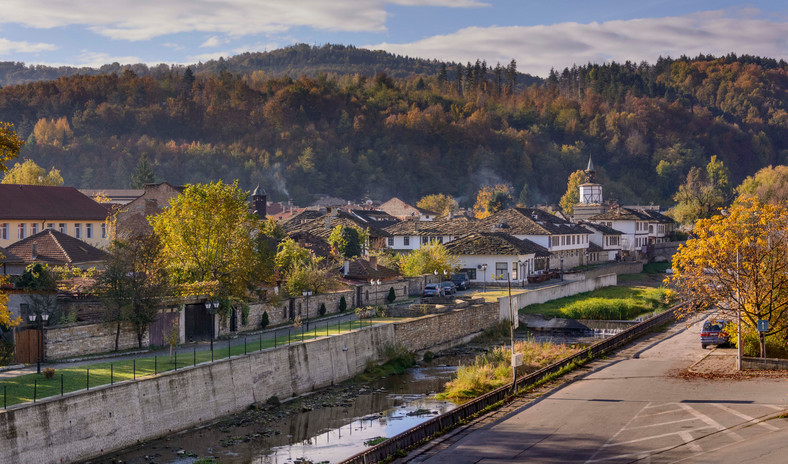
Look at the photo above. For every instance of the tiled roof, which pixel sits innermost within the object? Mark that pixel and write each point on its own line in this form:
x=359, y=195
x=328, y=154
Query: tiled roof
x=319, y=246
x=397, y=207
x=380, y=219
x=300, y=218
x=55, y=247
x=621, y=214
x=438, y=227
x=528, y=221
x=322, y=228
x=657, y=216
x=594, y=248
x=44, y=202
x=361, y=269
x=601, y=228
x=8, y=257
x=494, y=244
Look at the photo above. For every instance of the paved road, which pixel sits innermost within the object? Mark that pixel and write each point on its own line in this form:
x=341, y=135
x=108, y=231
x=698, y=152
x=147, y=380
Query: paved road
x=633, y=408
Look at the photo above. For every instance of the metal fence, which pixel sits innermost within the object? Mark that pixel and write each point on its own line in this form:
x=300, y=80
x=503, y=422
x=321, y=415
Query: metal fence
x=448, y=420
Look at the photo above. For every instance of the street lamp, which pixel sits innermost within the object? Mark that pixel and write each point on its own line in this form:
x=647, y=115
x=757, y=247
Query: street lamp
x=39, y=335
x=211, y=307
x=562, y=268
x=375, y=288
x=307, y=294
x=587, y=261
x=484, y=280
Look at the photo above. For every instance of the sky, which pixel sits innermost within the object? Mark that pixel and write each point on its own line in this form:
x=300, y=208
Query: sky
x=538, y=34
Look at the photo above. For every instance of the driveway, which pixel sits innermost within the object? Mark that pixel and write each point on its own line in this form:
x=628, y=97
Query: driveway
x=643, y=404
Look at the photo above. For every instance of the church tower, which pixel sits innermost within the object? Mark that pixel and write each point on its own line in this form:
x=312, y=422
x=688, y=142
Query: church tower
x=259, y=204
x=590, y=196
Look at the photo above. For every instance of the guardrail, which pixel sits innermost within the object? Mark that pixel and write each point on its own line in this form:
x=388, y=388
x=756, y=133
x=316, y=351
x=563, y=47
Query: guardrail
x=445, y=421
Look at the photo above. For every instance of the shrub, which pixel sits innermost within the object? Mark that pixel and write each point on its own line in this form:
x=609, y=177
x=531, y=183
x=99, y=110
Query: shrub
x=48, y=372
x=342, y=304
x=244, y=314
x=428, y=356
x=391, y=296
x=264, y=320
x=322, y=310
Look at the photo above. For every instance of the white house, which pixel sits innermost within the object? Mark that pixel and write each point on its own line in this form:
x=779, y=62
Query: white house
x=607, y=242
x=413, y=234
x=498, y=257
x=631, y=222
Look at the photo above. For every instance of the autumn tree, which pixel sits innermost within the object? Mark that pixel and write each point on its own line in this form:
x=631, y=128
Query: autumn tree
x=52, y=131
x=133, y=284
x=427, y=259
x=9, y=145
x=29, y=173
x=208, y=234
x=290, y=254
x=738, y=263
x=438, y=203
x=572, y=195
x=769, y=185
x=347, y=242
x=492, y=199
x=703, y=193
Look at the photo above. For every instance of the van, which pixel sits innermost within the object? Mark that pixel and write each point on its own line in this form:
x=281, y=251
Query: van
x=461, y=281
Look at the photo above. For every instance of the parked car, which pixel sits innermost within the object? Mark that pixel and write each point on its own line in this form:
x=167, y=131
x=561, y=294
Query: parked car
x=713, y=333
x=433, y=290
x=461, y=280
x=448, y=287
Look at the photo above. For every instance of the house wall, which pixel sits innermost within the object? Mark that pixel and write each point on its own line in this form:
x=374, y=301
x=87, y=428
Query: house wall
x=96, y=240
x=488, y=277
x=88, y=424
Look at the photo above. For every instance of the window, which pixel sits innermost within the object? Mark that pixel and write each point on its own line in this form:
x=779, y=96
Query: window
x=63, y=228
x=4, y=231
x=391, y=241
x=573, y=240
x=514, y=270
x=406, y=241
x=103, y=230
x=439, y=239
x=563, y=240
x=33, y=228
x=88, y=230
x=554, y=241
x=425, y=240
x=50, y=226
x=78, y=230
x=501, y=270
x=22, y=231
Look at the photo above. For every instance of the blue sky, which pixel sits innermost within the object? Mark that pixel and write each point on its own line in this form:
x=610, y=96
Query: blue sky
x=538, y=34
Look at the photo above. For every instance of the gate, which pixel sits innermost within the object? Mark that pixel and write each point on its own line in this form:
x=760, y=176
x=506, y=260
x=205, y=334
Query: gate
x=161, y=327
x=28, y=345
x=198, y=322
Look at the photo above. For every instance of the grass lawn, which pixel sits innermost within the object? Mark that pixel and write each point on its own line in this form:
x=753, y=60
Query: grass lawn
x=20, y=389
x=493, y=295
x=609, y=303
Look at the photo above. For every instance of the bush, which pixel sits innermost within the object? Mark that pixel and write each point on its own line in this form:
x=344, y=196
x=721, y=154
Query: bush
x=322, y=310
x=428, y=356
x=48, y=372
x=342, y=304
x=244, y=314
x=264, y=320
x=391, y=296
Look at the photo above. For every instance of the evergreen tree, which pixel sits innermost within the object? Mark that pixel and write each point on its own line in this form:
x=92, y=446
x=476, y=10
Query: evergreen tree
x=143, y=173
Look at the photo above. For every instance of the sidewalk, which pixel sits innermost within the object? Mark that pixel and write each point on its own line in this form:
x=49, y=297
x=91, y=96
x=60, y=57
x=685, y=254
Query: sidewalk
x=280, y=332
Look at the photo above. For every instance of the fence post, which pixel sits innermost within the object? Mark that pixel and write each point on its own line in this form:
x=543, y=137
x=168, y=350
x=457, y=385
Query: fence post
x=176, y=359
x=315, y=329
x=111, y=374
x=35, y=389
x=261, y=340
x=288, y=335
x=155, y=365
x=326, y=328
x=211, y=352
x=244, y=344
x=87, y=379
x=229, y=354
x=261, y=343
x=195, y=356
x=5, y=396
x=135, y=368
x=61, y=384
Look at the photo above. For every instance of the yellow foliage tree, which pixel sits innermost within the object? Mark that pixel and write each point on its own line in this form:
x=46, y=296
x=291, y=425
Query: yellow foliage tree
x=738, y=263
x=572, y=195
x=29, y=173
x=9, y=144
x=52, y=131
x=440, y=204
x=491, y=199
x=770, y=185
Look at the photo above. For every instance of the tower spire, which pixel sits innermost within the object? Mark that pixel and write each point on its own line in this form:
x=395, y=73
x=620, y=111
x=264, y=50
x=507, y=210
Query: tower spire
x=590, y=171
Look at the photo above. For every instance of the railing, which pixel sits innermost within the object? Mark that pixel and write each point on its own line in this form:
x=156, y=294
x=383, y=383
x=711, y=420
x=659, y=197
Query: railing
x=448, y=420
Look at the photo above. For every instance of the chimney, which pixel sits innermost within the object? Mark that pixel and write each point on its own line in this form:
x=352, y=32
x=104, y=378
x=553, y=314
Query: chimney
x=346, y=268
x=373, y=262
x=35, y=251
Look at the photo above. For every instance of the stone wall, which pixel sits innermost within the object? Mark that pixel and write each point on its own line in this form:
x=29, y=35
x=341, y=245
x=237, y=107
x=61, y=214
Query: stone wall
x=763, y=364
x=87, y=424
x=416, y=284
x=553, y=292
x=661, y=252
x=633, y=267
x=71, y=340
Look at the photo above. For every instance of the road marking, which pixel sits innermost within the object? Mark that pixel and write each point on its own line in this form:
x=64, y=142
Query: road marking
x=711, y=422
x=617, y=433
x=663, y=423
x=652, y=437
x=746, y=417
x=661, y=413
x=638, y=455
x=688, y=440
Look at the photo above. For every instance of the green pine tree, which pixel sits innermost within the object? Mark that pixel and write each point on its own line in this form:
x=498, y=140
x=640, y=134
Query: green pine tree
x=143, y=173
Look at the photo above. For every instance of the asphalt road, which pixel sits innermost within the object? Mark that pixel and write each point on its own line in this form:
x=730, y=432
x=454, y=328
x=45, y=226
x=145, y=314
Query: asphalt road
x=632, y=407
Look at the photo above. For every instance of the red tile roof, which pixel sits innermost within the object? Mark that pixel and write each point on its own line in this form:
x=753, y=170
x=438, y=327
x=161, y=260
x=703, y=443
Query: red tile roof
x=55, y=247
x=42, y=202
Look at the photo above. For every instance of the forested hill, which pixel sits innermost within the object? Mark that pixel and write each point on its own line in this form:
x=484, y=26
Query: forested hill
x=353, y=136
x=293, y=61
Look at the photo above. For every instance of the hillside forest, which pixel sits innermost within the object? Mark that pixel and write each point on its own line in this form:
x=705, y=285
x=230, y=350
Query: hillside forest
x=444, y=128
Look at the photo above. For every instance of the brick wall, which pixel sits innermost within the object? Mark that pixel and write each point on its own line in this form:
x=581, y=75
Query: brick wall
x=72, y=340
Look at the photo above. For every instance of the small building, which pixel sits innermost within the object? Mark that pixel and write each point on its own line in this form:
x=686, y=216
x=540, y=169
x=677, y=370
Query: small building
x=10, y=263
x=55, y=248
x=632, y=223
x=361, y=273
x=591, y=202
x=132, y=219
x=411, y=235
x=403, y=211
x=26, y=210
x=605, y=242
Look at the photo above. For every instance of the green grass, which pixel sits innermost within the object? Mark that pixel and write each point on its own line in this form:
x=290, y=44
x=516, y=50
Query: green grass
x=493, y=295
x=609, y=303
x=20, y=389
x=655, y=268
x=398, y=360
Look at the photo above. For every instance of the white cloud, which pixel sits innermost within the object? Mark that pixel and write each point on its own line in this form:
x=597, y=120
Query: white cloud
x=10, y=46
x=98, y=59
x=213, y=41
x=538, y=48
x=173, y=46
x=145, y=19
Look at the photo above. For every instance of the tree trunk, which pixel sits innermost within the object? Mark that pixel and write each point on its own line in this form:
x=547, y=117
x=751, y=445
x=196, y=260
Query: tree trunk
x=117, y=336
x=763, y=344
x=140, y=334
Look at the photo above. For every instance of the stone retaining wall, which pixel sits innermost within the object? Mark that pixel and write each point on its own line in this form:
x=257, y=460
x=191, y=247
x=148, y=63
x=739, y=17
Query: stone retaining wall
x=71, y=340
x=764, y=364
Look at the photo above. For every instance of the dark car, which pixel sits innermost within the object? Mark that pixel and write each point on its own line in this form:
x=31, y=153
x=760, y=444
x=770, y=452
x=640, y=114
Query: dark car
x=713, y=333
x=448, y=287
x=461, y=280
x=433, y=290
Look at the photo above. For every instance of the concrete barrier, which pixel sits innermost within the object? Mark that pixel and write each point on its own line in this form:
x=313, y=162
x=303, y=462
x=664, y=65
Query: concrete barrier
x=764, y=364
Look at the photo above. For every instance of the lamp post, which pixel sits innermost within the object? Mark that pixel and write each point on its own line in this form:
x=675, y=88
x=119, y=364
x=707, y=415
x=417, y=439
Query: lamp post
x=562, y=268
x=440, y=288
x=484, y=279
x=307, y=294
x=39, y=335
x=587, y=264
x=211, y=307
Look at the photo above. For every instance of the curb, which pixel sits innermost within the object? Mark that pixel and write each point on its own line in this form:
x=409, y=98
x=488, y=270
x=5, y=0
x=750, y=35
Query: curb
x=692, y=367
x=11, y=368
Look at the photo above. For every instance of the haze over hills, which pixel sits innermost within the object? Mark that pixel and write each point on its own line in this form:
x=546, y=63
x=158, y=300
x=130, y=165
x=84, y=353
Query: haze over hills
x=353, y=123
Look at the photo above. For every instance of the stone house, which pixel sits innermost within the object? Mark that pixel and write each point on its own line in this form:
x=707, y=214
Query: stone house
x=404, y=212
x=131, y=219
